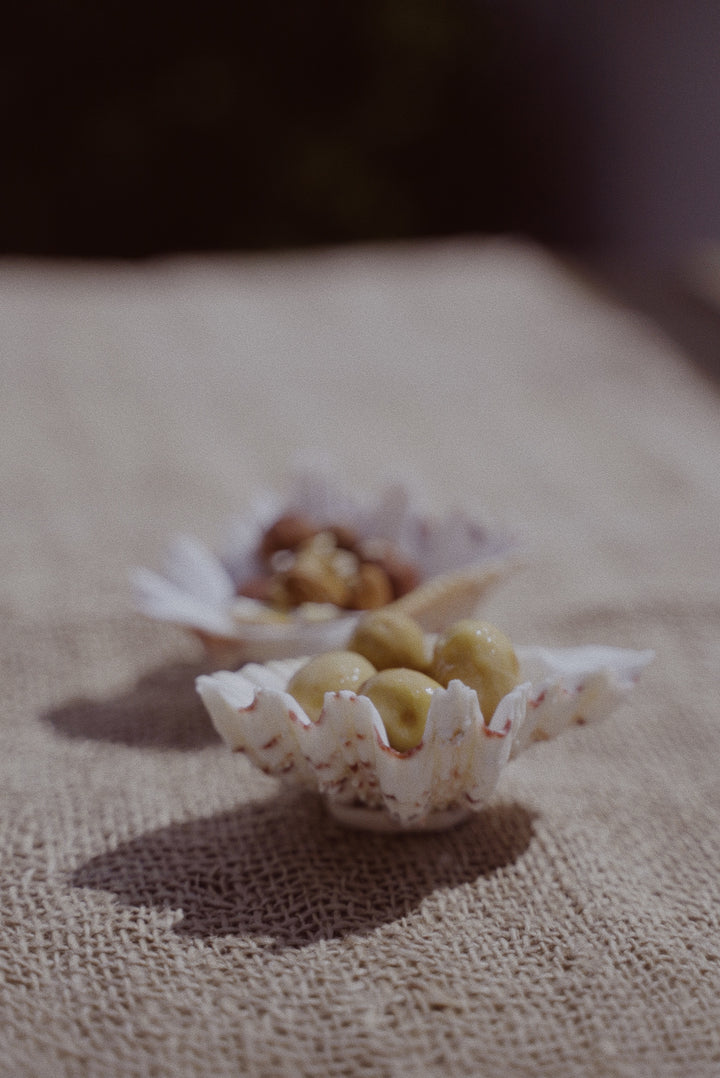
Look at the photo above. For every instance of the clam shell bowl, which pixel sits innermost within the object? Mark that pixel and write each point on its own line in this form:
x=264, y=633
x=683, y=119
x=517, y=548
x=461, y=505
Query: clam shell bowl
x=346, y=757
x=457, y=557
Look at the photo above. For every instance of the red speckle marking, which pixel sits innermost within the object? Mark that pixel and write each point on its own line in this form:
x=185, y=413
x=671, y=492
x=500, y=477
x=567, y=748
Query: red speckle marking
x=538, y=700
x=271, y=743
x=498, y=733
x=394, y=752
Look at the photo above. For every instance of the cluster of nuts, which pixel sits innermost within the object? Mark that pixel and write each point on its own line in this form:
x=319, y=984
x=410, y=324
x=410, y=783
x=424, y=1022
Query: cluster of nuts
x=305, y=562
x=389, y=661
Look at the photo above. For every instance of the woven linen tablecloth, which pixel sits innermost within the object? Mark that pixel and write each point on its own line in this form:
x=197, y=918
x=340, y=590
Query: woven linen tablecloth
x=167, y=911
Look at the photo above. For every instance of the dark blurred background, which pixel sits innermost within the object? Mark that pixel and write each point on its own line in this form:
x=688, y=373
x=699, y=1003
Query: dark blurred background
x=139, y=128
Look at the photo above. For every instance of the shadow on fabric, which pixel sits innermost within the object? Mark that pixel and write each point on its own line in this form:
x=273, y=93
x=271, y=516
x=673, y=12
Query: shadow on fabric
x=162, y=710
x=284, y=873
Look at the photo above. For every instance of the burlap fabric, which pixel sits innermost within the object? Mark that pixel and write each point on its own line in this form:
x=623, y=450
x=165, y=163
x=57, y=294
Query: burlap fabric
x=166, y=911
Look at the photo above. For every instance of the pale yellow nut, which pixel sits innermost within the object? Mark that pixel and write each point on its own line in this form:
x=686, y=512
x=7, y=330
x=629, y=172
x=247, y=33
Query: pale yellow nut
x=403, y=698
x=333, y=671
x=390, y=638
x=481, y=656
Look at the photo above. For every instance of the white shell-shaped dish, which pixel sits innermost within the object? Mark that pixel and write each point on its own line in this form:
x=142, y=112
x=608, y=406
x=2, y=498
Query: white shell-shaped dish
x=459, y=559
x=346, y=756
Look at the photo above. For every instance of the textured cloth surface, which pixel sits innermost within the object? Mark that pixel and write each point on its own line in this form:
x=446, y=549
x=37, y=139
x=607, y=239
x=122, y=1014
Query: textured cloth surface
x=167, y=911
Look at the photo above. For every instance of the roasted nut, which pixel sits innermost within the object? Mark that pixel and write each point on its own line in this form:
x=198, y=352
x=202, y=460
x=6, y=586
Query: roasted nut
x=390, y=638
x=345, y=537
x=403, y=575
x=333, y=671
x=403, y=699
x=370, y=589
x=345, y=564
x=258, y=587
x=321, y=545
x=310, y=582
x=287, y=533
x=481, y=656
x=281, y=561
x=307, y=563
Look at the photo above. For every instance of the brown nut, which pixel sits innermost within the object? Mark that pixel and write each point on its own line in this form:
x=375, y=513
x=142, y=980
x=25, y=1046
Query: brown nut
x=402, y=573
x=258, y=587
x=320, y=545
x=404, y=576
x=312, y=581
x=345, y=536
x=287, y=533
x=370, y=589
x=345, y=564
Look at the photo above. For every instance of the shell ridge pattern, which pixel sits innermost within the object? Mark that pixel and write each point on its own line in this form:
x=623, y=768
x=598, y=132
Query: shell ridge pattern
x=492, y=745
x=193, y=567
x=455, y=721
x=573, y=686
x=277, y=732
x=160, y=598
x=226, y=696
x=346, y=754
x=324, y=749
x=404, y=779
x=272, y=675
x=355, y=727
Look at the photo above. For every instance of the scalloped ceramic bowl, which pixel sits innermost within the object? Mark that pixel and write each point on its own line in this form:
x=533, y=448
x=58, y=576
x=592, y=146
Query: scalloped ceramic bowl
x=458, y=559
x=366, y=783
